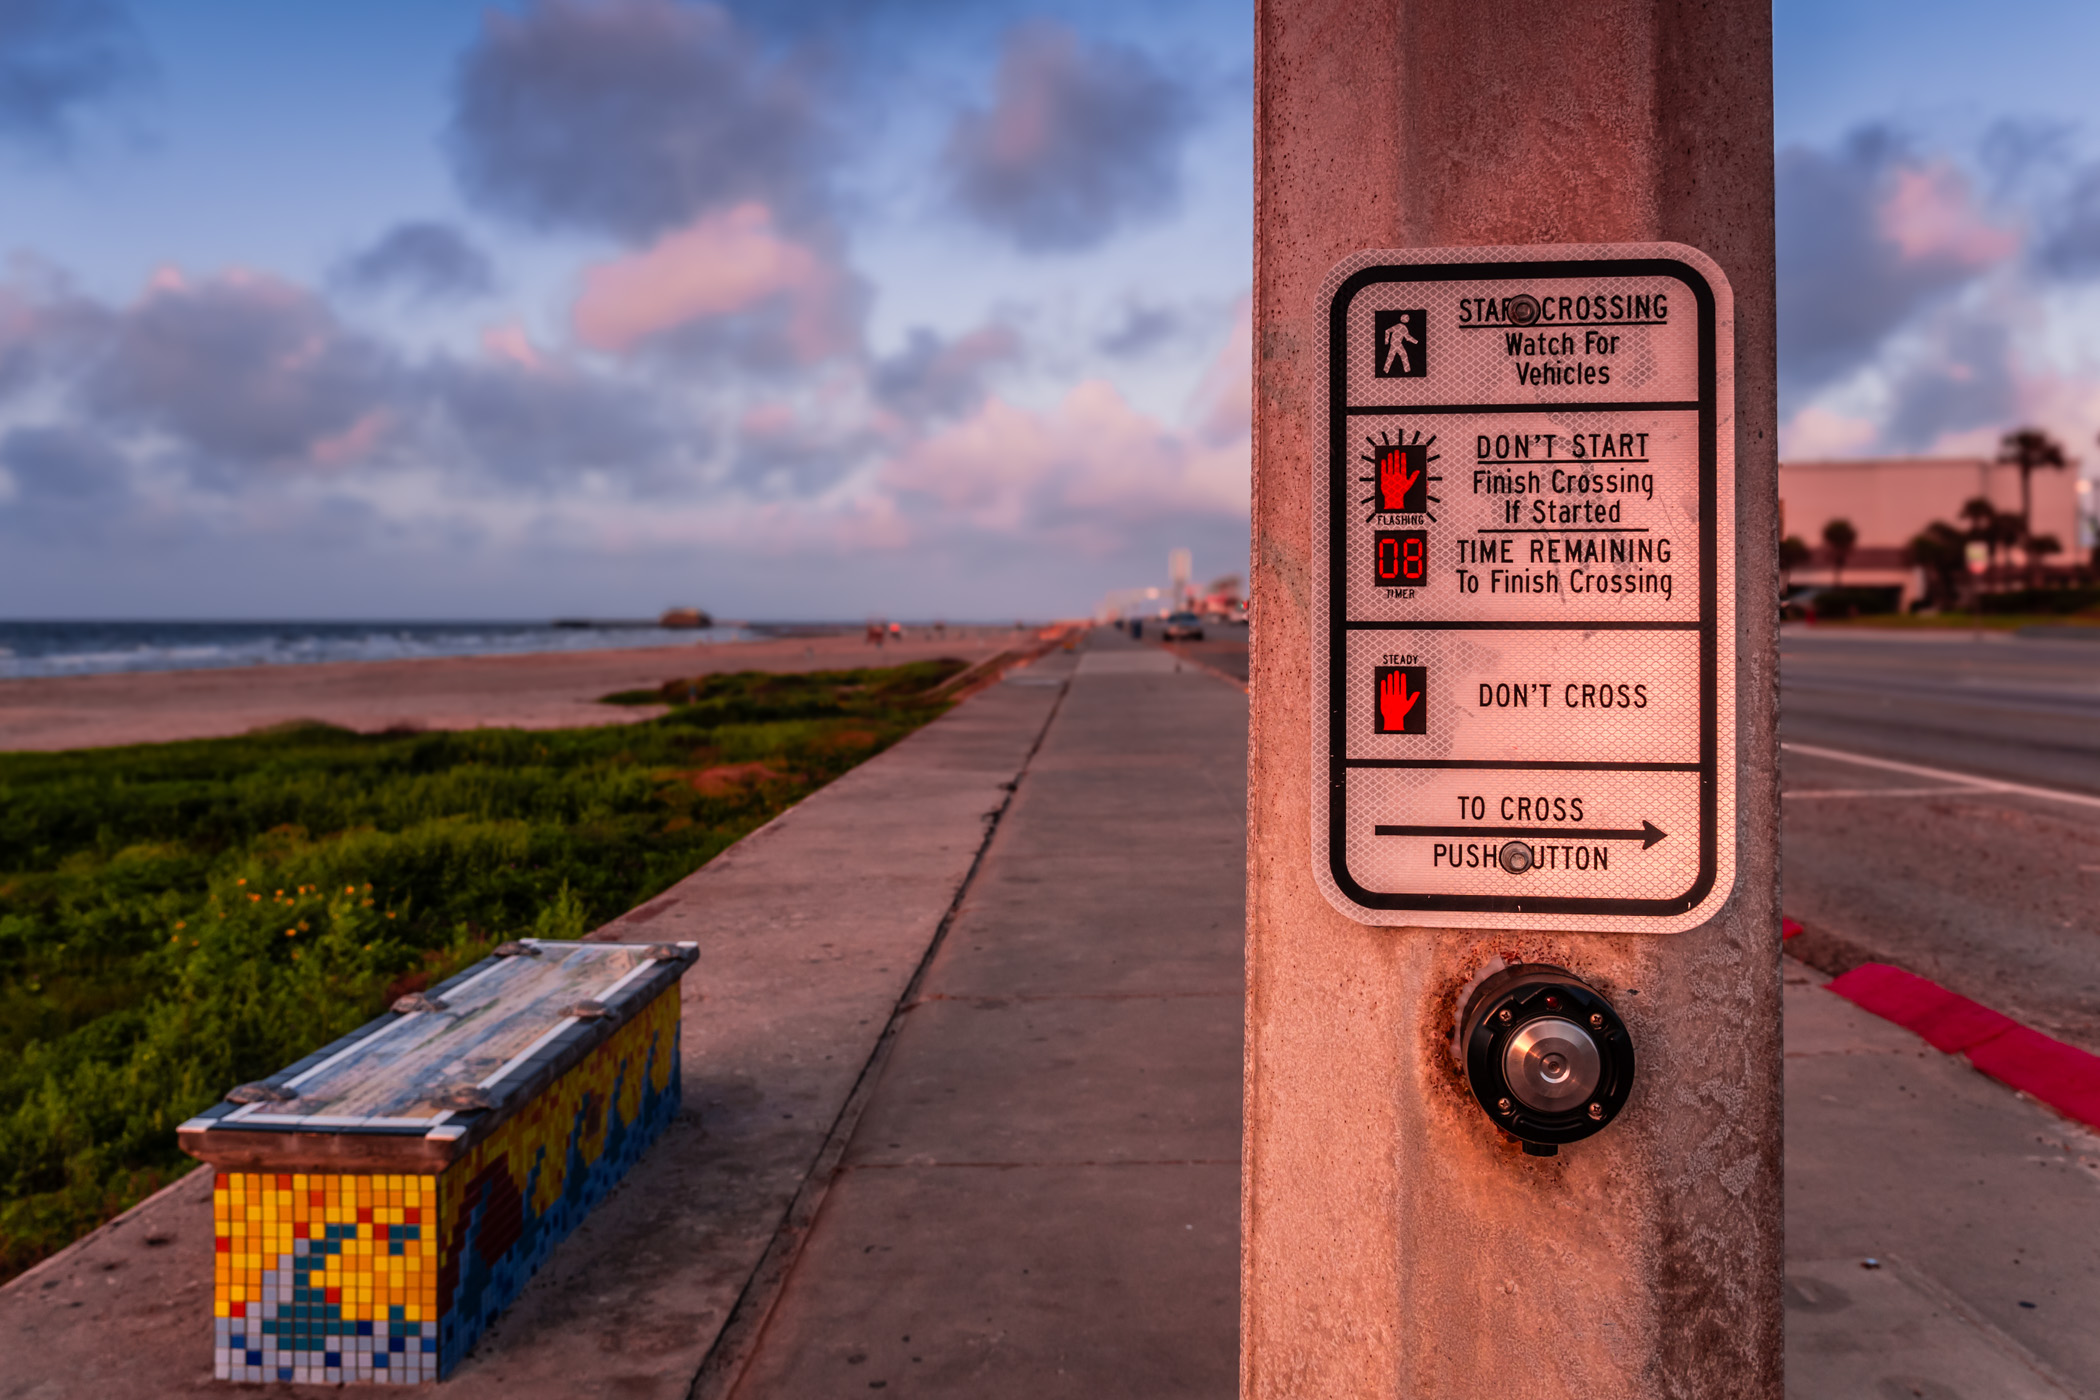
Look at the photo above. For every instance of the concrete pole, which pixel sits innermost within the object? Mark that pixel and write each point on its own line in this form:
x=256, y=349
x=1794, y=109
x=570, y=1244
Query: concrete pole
x=1395, y=1244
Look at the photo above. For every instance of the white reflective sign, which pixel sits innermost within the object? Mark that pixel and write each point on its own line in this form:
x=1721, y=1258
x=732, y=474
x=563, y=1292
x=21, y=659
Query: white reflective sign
x=1523, y=683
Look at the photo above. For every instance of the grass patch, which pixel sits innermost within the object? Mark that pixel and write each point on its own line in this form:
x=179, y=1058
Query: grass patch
x=178, y=918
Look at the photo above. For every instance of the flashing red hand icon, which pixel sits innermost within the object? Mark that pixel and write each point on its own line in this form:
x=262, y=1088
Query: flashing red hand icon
x=1394, y=703
x=1394, y=480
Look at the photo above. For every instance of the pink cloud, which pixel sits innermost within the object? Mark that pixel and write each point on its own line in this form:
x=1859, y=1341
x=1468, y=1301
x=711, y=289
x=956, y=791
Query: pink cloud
x=1816, y=433
x=352, y=444
x=1931, y=215
x=1079, y=470
x=509, y=344
x=719, y=265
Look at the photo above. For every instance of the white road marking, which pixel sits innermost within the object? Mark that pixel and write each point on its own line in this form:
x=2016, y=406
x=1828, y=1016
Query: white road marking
x=1968, y=781
x=1886, y=792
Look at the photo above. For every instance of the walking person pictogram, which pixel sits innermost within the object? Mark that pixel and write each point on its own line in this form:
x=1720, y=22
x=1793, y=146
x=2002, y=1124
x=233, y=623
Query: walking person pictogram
x=1397, y=338
x=1400, y=344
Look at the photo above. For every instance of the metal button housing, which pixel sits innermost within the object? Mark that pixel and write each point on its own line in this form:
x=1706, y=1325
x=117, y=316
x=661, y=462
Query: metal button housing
x=1546, y=1055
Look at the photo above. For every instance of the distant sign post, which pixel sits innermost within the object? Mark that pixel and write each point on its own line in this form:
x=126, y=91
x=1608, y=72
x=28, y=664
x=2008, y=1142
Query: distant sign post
x=1524, y=692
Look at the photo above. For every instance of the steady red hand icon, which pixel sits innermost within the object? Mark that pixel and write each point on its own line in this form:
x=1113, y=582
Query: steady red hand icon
x=1394, y=703
x=1394, y=480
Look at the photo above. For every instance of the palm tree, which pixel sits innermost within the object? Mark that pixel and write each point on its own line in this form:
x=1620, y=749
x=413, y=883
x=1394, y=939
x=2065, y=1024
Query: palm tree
x=2006, y=531
x=1839, y=537
x=2030, y=449
x=1980, y=513
x=1793, y=553
x=1939, y=551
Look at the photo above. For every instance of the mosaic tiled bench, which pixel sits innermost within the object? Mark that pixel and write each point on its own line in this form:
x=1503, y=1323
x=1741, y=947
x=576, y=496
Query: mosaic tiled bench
x=378, y=1203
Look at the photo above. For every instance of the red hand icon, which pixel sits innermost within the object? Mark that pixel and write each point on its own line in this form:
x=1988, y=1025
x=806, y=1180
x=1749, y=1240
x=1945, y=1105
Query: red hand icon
x=1394, y=480
x=1394, y=703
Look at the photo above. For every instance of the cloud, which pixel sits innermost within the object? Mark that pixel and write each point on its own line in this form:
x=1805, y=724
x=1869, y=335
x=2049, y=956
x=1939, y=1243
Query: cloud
x=788, y=454
x=532, y=420
x=243, y=368
x=1223, y=408
x=720, y=265
x=933, y=378
x=429, y=261
x=1816, y=433
x=629, y=118
x=58, y=60
x=63, y=462
x=1087, y=472
x=1964, y=378
x=1144, y=327
x=2069, y=246
x=1869, y=237
x=1080, y=140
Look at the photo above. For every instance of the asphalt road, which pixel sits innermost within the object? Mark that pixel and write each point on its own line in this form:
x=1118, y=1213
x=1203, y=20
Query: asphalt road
x=1223, y=648
x=1993, y=892
x=1981, y=872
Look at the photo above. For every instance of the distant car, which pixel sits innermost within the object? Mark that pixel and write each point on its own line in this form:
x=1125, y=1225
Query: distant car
x=1182, y=627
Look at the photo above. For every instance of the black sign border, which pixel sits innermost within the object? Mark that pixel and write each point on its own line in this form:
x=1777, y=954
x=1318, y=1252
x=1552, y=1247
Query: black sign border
x=1338, y=597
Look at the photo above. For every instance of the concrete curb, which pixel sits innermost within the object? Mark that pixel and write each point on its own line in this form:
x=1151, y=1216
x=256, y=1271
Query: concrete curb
x=2062, y=1076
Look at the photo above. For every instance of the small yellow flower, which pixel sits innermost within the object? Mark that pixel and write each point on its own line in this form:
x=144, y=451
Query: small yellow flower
x=255, y=899
x=180, y=924
x=242, y=881
x=291, y=933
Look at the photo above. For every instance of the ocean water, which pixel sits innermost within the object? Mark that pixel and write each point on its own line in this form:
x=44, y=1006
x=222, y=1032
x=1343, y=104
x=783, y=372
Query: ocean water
x=84, y=648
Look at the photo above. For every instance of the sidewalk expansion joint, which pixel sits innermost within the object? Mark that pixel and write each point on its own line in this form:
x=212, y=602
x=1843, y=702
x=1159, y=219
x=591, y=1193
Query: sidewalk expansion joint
x=992, y=1002
x=724, y=1364
x=1048, y=1164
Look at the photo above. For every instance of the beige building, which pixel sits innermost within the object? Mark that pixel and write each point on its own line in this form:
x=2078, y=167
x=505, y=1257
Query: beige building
x=1889, y=500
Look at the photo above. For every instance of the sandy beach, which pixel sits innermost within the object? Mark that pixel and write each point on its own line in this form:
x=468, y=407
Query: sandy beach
x=544, y=690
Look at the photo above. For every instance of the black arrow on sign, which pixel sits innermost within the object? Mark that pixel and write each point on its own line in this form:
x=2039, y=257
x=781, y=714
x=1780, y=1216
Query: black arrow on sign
x=1648, y=834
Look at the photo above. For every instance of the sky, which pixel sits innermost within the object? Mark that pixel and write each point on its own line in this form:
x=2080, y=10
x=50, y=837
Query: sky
x=815, y=309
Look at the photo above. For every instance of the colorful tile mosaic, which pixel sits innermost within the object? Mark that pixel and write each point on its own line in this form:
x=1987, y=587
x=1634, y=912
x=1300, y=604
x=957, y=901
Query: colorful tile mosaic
x=332, y=1277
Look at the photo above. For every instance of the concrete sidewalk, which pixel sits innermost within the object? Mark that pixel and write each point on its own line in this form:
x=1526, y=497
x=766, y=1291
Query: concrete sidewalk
x=1980, y=1206
x=1043, y=1196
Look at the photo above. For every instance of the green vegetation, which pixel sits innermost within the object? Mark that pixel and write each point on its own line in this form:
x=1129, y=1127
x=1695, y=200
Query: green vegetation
x=178, y=918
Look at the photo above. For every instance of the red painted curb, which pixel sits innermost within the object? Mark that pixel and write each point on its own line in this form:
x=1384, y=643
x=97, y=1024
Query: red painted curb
x=2062, y=1076
x=1788, y=928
